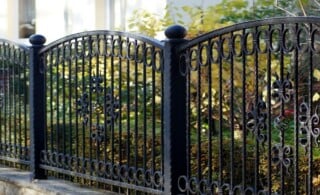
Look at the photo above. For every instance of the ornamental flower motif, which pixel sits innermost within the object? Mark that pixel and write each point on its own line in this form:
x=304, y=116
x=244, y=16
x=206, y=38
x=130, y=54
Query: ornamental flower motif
x=282, y=155
x=83, y=108
x=257, y=120
x=282, y=89
x=309, y=124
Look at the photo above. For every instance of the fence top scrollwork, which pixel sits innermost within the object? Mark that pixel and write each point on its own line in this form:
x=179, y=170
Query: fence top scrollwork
x=133, y=36
x=248, y=25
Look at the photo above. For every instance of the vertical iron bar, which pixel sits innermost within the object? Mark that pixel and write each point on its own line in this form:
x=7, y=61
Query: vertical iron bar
x=44, y=71
x=90, y=121
x=120, y=102
x=10, y=107
x=128, y=102
x=14, y=101
x=210, y=117
x=310, y=123
x=76, y=64
x=7, y=105
x=269, y=126
x=144, y=165
x=136, y=119
x=104, y=54
x=162, y=148
x=199, y=124
x=296, y=110
x=128, y=109
x=244, y=110
x=257, y=96
x=174, y=111
x=84, y=89
x=114, y=48
x=188, y=122
x=26, y=110
x=136, y=104
x=23, y=107
x=153, y=105
x=231, y=113
x=70, y=78
x=51, y=98
x=21, y=66
x=57, y=125
x=220, y=155
x=98, y=76
x=111, y=119
x=282, y=140
x=37, y=106
x=64, y=140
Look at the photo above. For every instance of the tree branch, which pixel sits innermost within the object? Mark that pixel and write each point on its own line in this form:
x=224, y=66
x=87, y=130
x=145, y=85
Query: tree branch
x=302, y=8
x=279, y=7
x=317, y=2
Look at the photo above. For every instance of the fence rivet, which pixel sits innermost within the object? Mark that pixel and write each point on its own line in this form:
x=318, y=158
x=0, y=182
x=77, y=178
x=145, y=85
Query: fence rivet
x=37, y=39
x=175, y=32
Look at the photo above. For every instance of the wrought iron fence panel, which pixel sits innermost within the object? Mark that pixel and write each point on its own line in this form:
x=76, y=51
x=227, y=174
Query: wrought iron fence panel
x=104, y=110
x=234, y=111
x=252, y=108
x=14, y=106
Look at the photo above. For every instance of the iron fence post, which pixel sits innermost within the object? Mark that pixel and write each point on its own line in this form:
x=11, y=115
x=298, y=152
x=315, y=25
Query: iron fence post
x=37, y=106
x=174, y=111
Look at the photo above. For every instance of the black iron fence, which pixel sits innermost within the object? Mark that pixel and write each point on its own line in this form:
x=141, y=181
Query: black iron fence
x=14, y=106
x=234, y=111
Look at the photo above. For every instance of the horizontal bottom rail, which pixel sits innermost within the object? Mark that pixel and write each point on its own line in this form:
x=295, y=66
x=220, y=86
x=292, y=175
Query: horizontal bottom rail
x=102, y=180
x=14, y=160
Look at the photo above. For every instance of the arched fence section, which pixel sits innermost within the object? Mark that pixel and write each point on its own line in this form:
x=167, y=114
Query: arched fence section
x=234, y=111
x=104, y=109
x=252, y=108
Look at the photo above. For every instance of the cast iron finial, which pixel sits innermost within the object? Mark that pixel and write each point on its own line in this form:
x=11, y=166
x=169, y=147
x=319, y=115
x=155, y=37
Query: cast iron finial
x=37, y=39
x=175, y=32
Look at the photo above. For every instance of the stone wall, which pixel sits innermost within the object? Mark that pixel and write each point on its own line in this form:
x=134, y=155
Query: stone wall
x=16, y=182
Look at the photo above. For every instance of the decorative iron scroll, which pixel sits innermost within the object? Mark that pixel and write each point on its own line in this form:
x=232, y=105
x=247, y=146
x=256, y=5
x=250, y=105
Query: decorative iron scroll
x=83, y=108
x=309, y=125
x=282, y=89
x=257, y=120
x=96, y=82
x=98, y=132
x=103, y=169
x=102, y=103
x=204, y=186
x=282, y=155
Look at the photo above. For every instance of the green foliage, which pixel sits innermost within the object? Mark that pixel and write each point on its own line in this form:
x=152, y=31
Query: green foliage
x=299, y=7
x=145, y=22
x=200, y=20
x=204, y=20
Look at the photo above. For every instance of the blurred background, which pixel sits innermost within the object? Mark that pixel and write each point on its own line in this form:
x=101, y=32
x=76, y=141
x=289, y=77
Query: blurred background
x=54, y=19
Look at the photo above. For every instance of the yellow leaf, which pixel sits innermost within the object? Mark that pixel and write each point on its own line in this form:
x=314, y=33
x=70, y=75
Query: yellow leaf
x=316, y=74
x=157, y=99
x=315, y=97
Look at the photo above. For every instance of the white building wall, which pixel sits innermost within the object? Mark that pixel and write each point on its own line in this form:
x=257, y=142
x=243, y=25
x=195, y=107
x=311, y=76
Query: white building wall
x=3, y=18
x=57, y=18
x=9, y=19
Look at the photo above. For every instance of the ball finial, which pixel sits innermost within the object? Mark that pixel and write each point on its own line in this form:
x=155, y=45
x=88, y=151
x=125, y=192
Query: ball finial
x=37, y=39
x=175, y=32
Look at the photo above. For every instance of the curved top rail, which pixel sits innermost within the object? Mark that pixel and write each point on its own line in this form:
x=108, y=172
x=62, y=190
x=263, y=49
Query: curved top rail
x=143, y=38
x=19, y=45
x=249, y=24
